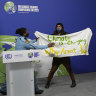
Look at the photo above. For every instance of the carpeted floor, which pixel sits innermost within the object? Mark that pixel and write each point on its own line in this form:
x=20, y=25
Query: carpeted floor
x=60, y=86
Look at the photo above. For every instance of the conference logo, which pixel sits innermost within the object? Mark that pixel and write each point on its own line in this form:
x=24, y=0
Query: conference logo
x=8, y=56
x=30, y=55
x=10, y=7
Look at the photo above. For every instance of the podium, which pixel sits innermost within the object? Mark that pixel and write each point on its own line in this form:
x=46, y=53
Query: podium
x=19, y=72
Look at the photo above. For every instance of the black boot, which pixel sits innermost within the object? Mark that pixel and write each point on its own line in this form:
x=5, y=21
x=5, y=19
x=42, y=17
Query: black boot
x=39, y=92
x=73, y=84
x=3, y=93
x=47, y=85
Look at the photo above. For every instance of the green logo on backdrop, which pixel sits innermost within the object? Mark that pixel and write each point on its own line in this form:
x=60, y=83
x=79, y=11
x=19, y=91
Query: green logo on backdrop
x=10, y=7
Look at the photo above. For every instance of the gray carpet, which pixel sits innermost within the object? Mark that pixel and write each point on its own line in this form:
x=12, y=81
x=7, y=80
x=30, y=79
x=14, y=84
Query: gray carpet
x=60, y=86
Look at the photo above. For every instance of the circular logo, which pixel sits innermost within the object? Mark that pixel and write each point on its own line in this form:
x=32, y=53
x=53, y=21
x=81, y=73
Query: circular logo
x=10, y=7
x=8, y=56
x=30, y=55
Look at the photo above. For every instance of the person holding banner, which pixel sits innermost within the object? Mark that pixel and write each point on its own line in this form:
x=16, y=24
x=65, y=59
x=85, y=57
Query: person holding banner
x=57, y=61
x=22, y=43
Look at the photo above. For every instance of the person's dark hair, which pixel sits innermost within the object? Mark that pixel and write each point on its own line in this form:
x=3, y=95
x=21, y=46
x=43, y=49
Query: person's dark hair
x=62, y=31
x=21, y=31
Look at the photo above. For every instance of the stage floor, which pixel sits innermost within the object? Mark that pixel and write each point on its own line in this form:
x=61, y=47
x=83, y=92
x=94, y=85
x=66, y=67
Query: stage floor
x=60, y=86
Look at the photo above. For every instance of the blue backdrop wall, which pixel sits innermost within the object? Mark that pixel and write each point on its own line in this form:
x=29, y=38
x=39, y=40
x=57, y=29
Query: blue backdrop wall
x=76, y=15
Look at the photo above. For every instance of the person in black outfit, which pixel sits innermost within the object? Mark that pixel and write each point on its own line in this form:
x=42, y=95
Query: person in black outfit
x=61, y=60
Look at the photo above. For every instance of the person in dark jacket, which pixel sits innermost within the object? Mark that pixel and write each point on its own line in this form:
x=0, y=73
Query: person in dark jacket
x=61, y=60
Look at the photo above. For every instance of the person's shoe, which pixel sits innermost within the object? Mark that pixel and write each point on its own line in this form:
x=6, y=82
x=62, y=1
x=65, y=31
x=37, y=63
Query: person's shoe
x=39, y=92
x=3, y=93
x=73, y=84
x=47, y=85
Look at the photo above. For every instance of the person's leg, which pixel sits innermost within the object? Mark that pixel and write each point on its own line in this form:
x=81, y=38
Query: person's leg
x=69, y=69
x=35, y=84
x=50, y=76
x=3, y=89
x=51, y=73
x=37, y=90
